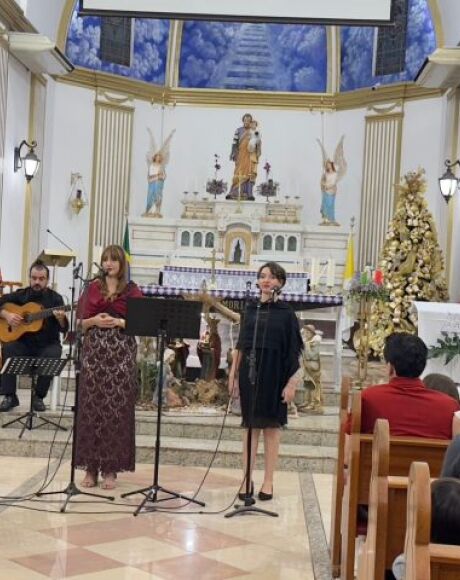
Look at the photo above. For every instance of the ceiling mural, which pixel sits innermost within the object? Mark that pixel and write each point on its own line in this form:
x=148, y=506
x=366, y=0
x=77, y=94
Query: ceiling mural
x=265, y=57
x=358, y=47
x=148, y=54
x=262, y=57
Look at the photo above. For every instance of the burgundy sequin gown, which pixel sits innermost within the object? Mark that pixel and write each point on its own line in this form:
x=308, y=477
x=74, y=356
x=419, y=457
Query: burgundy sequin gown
x=108, y=388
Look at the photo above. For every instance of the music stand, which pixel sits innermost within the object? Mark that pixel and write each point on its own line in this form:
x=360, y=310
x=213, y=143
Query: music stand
x=163, y=318
x=33, y=367
x=55, y=259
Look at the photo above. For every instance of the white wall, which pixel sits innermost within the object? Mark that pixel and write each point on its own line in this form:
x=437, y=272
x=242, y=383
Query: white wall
x=45, y=15
x=70, y=150
x=14, y=184
x=450, y=18
x=423, y=146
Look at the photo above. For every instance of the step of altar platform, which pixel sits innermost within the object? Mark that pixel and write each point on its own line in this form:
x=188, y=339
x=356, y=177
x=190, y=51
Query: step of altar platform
x=188, y=437
x=175, y=451
x=206, y=423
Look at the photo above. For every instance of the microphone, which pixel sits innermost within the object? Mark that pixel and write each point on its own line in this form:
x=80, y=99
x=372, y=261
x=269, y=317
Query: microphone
x=101, y=273
x=276, y=291
x=78, y=270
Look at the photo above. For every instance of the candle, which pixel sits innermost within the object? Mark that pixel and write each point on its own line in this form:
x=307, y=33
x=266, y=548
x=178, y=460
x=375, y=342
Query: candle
x=313, y=272
x=330, y=275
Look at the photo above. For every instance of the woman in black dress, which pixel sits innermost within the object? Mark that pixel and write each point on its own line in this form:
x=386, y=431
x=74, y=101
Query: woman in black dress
x=278, y=345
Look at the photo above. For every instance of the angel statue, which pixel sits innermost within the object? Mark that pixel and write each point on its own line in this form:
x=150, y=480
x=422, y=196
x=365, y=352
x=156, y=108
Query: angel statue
x=333, y=171
x=157, y=159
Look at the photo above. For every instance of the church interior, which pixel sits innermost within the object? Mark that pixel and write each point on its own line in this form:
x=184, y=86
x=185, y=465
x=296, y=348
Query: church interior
x=207, y=143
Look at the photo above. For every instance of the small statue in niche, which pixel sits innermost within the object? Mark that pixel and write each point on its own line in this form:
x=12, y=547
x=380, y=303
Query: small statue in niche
x=157, y=160
x=311, y=364
x=333, y=171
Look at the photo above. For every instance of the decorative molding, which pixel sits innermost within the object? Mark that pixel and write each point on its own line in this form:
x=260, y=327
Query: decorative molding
x=455, y=103
x=227, y=98
x=381, y=170
x=385, y=109
x=436, y=16
x=117, y=99
x=174, y=45
x=64, y=22
x=111, y=178
x=13, y=17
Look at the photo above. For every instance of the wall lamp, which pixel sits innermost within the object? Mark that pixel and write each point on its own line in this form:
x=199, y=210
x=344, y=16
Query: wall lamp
x=448, y=183
x=30, y=161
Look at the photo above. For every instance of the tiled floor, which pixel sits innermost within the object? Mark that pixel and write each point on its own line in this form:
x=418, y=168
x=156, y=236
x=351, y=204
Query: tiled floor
x=99, y=540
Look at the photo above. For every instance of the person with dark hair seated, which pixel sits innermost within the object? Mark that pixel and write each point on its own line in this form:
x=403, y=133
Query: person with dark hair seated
x=411, y=408
x=451, y=463
x=443, y=384
x=44, y=342
x=445, y=519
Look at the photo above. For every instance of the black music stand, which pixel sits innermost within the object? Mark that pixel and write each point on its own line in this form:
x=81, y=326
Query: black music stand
x=33, y=367
x=163, y=318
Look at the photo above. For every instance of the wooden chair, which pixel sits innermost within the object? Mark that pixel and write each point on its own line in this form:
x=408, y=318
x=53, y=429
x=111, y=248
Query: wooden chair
x=11, y=286
x=424, y=560
x=337, y=492
x=403, y=450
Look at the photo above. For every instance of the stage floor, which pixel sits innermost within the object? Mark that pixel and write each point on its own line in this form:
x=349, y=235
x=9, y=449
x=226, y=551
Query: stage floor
x=98, y=540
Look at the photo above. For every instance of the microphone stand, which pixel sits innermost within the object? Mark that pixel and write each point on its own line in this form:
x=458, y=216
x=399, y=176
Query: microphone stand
x=249, y=500
x=71, y=489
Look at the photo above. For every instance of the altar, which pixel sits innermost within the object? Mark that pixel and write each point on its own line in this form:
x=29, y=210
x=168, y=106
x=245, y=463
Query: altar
x=243, y=236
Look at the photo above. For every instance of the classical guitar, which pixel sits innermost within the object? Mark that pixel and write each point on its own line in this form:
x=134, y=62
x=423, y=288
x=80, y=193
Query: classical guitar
x=33, y=315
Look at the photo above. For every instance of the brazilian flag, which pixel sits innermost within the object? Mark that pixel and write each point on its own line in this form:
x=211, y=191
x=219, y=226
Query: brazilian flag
x=127, y=250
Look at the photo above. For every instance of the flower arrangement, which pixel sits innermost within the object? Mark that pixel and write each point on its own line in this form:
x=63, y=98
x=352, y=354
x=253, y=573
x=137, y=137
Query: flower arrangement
x=268, y=188
x=216, y=186
x=366, y=284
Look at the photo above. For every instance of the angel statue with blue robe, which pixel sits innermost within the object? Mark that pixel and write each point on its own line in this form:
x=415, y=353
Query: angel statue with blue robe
x=157, y=160
x=333, y=171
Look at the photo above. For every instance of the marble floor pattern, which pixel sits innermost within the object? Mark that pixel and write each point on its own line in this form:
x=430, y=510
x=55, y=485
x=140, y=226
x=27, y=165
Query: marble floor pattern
x=101, y=540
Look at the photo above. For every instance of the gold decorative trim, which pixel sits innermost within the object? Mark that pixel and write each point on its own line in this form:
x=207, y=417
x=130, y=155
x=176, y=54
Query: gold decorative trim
x=13, y=17
x=118, y=100
x=226, y=98
x=174, y=46
x=453, y=201
x=385, y=110
x=64, y=23
x=330, y=46
x=437, y=21
x=28, y=186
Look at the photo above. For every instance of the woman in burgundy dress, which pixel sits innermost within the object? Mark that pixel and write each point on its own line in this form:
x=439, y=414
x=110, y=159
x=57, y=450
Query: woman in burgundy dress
x=105, y=440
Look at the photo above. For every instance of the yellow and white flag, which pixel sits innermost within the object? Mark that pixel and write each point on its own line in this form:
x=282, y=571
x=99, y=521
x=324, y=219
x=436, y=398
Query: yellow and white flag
x=349, y=271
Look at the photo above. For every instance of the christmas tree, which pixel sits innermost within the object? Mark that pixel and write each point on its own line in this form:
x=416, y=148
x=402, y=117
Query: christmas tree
x=411, y=262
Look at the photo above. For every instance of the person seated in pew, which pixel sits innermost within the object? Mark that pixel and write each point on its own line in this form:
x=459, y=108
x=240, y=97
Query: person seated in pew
x=443, y=384
x=451, y=463
x=445, y=518
x=411, y=408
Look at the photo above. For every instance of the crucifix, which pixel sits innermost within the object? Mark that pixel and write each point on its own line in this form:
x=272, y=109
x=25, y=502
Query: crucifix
x=213, y=260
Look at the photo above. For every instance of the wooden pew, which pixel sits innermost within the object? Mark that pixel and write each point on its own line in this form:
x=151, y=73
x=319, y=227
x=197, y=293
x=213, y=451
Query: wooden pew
x=372, y=559
x=403, y=451
x=425, y=561
x=337, y=491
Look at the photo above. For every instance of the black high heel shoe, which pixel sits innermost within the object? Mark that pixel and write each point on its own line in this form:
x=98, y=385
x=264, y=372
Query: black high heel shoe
x=242, y=494
x=265, y=496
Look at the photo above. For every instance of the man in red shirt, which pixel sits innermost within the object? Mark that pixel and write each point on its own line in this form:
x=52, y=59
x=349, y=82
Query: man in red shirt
x=411, y=408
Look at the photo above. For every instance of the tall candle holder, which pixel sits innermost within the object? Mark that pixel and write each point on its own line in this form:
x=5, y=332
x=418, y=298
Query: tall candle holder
x=363, y=292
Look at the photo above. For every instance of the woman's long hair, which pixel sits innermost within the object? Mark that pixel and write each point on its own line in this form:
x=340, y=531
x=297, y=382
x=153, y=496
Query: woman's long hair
x=117, y=254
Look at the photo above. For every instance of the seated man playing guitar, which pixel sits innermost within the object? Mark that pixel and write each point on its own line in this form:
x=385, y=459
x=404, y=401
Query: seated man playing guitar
x=23, y=337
